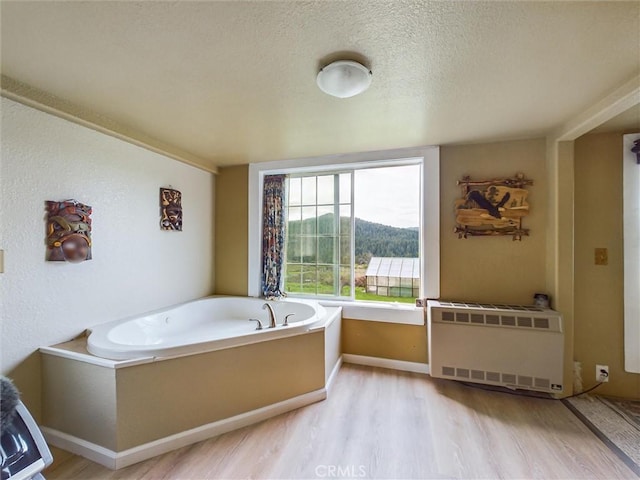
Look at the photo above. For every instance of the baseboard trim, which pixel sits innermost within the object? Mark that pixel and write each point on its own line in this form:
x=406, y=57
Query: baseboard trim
x=78, y=446
x=117, y=460
x=333, y=374
x=386, y=363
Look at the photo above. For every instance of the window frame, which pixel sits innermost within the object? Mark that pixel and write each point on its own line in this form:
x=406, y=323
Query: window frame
x=428, y=157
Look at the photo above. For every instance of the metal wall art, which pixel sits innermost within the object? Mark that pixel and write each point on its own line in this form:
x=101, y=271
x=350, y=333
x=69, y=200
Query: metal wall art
x=68, y=231
x=170, y=209
x=492, y=207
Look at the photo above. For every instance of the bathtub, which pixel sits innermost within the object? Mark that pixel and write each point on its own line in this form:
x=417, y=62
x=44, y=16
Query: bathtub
x=184, y=374
x=211, y=323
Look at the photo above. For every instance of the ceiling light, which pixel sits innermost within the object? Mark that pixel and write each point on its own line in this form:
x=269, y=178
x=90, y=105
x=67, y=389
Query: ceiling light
x=344, y=78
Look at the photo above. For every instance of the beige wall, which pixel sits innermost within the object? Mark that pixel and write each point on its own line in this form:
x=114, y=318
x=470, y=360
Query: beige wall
x=475, y=269
x=385, y=340
x=231, y=226
x=80, y=399
x=599, y=308
x=235, y=381
x=493, y=269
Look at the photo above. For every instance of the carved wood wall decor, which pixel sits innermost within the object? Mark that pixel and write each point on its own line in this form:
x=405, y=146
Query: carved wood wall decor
x=492, y=207
x=68, y=231
x=170, y=209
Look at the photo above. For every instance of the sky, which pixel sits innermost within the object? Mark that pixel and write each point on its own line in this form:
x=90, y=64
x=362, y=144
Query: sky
x=390, y=195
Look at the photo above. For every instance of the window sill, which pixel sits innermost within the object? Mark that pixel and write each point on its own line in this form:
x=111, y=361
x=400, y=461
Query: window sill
x=372, y=312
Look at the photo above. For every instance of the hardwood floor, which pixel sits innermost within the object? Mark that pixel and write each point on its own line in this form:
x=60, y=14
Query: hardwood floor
x=381, y=423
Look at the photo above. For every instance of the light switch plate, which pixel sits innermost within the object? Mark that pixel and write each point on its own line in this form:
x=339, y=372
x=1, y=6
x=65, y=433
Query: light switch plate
x=601, y=256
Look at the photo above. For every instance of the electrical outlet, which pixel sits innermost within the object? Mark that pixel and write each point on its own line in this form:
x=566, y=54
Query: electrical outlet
x=602, y=373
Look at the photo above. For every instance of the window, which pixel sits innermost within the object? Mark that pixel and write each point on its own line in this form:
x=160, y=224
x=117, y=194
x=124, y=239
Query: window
x=318, y=242
x=354, y=234
x=327, y=215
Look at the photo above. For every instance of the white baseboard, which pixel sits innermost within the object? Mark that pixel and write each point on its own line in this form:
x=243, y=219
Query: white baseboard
x=385, y=363
x=333, y=374
x=78, y=446
x=117, y=460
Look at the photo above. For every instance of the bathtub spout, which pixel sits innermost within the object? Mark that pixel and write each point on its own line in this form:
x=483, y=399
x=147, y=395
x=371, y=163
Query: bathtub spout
x=272, y=315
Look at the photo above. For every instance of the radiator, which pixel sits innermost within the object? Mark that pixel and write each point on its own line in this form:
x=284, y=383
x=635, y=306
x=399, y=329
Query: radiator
x=514, y=346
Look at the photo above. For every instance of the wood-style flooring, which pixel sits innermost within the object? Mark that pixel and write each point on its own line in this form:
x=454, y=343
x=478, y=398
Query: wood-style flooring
x=381, y=423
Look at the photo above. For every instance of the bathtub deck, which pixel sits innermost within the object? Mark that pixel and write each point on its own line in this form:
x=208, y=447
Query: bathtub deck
x=380, y=423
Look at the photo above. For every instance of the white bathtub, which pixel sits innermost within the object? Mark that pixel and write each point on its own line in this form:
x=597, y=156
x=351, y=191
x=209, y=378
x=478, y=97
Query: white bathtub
x=203, y=325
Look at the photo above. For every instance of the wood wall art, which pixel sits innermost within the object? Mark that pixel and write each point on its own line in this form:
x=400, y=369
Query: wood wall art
x=170, y=209
x=492, y=207
x=68, y=231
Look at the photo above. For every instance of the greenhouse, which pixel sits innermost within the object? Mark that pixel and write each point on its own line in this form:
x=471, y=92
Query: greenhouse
x=394, y=277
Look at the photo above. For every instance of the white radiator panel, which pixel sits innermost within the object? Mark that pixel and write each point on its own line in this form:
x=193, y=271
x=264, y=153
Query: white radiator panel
x=512, y=346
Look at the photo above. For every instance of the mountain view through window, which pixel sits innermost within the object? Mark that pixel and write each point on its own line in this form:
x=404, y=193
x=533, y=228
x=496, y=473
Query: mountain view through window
x=338, y=222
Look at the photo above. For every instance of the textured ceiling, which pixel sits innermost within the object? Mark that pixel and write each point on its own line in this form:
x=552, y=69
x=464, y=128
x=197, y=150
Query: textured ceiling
x=234, y=82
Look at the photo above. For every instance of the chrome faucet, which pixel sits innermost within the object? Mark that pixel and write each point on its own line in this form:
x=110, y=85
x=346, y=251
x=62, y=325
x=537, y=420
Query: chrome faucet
x=259, y=326
x=272, y=315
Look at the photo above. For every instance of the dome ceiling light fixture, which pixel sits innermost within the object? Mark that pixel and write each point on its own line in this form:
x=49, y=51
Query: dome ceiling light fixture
x=344, y=78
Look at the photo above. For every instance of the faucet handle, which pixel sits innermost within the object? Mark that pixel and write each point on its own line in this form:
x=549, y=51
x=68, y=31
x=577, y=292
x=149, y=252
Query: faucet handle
x=259, y=326
x=286, y=319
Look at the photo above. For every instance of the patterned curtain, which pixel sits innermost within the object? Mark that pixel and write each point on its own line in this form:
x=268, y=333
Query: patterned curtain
x=273, y=231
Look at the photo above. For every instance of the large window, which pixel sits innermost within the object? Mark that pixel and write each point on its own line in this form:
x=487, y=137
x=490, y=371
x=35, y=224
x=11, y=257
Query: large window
x=343, y=227
x=339, y=219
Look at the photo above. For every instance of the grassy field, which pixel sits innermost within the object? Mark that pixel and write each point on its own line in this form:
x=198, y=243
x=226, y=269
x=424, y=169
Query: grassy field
x=361, y=293
x=323, y=285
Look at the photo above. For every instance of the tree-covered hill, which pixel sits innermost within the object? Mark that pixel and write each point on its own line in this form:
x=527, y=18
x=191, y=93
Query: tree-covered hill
x=372, y=239
x=376, y=240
